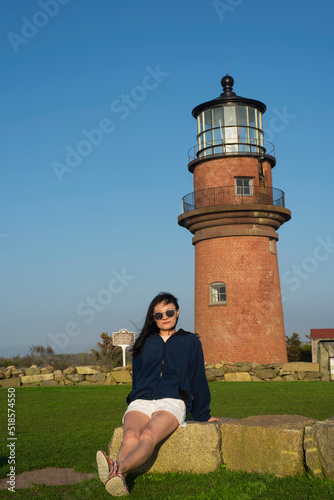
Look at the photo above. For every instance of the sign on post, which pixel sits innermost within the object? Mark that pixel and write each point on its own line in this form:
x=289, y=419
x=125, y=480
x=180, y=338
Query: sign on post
x=123, y=339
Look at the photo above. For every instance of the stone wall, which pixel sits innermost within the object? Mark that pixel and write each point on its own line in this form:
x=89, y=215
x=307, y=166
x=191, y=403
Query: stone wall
x=275, y=372
x=284, y=445
x=79, y=375
x=101, y=375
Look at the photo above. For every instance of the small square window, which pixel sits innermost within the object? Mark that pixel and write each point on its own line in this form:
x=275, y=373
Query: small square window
x=218, y=293
x=243, y=186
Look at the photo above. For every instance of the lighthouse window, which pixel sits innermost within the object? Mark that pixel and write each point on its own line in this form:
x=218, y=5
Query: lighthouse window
x=218, y=293
x=217, y=117
x=251, y=112
x=242, y=115
x=229, y=115
x=207, y=119
x=243, y=186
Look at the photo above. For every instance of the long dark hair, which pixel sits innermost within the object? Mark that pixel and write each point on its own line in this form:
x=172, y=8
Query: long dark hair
x=150, y=325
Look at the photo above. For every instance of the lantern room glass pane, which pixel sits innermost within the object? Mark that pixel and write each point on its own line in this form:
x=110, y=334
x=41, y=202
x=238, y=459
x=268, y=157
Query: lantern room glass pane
x=260, y=121
x=217, y=117
x=207, y=119
x=242, y=115
x=231, y=136
x=217, y=135
x=251, y=113
x=243, y=139
x=230, y=115
x=207, y=138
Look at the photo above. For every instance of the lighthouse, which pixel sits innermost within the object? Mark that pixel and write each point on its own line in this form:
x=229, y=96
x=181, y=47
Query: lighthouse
x=233, y=213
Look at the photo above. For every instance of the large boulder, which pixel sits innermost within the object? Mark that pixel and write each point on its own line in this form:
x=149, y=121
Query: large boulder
x=300, y=366
x=122, y=376
x=214, y=374
x=97, y=378
x=266, y=443
x=264, y=373
x=10, y=382
x=36, y=379
x=319, y=448
x=110, y=380
x=238, y=377
x=33, y=370
x=194, y=448
x=88, y=370
x=75, y=378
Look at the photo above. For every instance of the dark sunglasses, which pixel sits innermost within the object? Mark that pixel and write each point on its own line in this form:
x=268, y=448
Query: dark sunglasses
x=169, y=313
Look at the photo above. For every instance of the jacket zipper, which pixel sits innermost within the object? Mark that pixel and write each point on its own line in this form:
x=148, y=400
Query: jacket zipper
x=162, y=368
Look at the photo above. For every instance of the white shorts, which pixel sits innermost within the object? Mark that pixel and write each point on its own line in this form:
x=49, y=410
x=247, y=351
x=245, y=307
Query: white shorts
x=175, y=406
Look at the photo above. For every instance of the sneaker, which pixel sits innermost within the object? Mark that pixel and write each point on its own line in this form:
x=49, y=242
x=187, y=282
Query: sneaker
x=116, y=486
x=107, y=468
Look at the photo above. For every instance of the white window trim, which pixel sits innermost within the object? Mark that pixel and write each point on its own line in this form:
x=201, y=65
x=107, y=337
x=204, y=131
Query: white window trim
x=214, y=293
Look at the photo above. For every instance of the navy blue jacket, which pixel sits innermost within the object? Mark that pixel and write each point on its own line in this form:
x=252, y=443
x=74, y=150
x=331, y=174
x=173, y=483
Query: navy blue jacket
x=172, y=369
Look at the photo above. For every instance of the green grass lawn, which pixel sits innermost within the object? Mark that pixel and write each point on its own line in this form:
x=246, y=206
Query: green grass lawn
x=64, y=426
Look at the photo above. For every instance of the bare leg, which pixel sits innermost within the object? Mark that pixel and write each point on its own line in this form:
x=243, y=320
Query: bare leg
x=142, y=443
x=134, y=424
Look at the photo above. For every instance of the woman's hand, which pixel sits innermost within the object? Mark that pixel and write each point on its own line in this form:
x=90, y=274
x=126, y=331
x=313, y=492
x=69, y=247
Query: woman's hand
x=214, y=419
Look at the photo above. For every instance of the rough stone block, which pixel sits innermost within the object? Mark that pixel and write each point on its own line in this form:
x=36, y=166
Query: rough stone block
x=47, y=369
x=109, y=380
x=264, y=373
x=319, y=448
x=309, y=375
x=75, y=378
x=58, y=375
x=36, y=379
x=194, y=448
x=88, y=370
x=48, y=383
x=245, y=368
x=300, y=366
x=290, y=377
x=214, y=374
x=69, y=371
x=18, y=371
x=238, y=377
x=10, y=382
x=122, y=376
x=33, y=370
x=268, y=444
x=97, y=378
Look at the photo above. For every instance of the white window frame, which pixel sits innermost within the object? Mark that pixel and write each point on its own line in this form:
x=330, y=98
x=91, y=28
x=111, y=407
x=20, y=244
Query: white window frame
x=217, y=296
x=240, y=190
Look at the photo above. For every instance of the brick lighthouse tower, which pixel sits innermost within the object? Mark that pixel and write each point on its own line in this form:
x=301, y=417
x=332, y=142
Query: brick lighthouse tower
x=234, y=213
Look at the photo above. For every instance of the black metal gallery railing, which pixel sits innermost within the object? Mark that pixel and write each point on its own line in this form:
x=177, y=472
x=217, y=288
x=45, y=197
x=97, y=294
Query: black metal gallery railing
x=233, y=195
x=231, y=147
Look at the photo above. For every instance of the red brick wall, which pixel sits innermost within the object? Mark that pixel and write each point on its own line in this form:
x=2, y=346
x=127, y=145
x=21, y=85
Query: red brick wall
x=250, y=327
x=221, y=172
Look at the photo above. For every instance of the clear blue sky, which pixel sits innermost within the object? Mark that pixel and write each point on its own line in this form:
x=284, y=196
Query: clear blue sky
x=135, y=70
